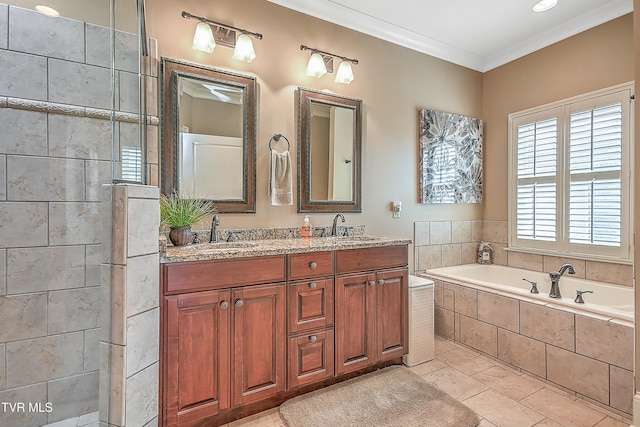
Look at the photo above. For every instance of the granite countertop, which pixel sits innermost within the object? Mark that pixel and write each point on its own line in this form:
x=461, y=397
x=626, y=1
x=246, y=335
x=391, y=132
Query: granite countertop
x=252, y=248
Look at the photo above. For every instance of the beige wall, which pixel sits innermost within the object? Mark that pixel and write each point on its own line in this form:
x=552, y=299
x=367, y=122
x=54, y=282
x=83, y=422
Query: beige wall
x=636, y=57
x=393, y=82
x=595, y=59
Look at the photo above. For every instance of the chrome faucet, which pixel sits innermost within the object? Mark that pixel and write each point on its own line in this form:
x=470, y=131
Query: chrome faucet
x=555, y=279
x=334, y=228
x=215, y=233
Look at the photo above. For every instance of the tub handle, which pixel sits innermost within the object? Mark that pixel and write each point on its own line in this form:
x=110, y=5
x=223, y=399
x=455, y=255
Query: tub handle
x=534, y=285
x=579, y=299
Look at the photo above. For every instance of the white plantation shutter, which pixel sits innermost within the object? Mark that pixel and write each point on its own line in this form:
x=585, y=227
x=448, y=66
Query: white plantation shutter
x=131, y=159
x=595, y=163
x=570, y=189
x=536, y=176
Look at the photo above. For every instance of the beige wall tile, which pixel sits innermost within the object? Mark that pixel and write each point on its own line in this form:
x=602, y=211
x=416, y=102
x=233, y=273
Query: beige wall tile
x=605, y=341
x=460, y=231
x=552, y=326
x=444, y=322
x=141, y=396
x=451, y=255
x=429, y=257
x=32, y=393
x=143, y=336
x=16, y=217
x=79, y=84
x=92, y=350
x=23, y=316
x=113, y=304
x=523, y=352
x=80, y=137
x=477, y=230
x=440, y=232
x=44, y=359
x=610, y=273
x=74, y=310
x=495, y=231
x=73, y=396
x=438, y=294
x=582, y=374
x=466, y=301
x=44, y=269
x=500, y=256
x=23, y=132
x=143, y=222
x=23, y=75
x=3, y=368
x=4, y=26
x=449, y=301
x=74, y=223
x=142, y=278
x=112, y=384
x=3, y=272
x=552, y=263
x=523, y=260
x=479, y=335
x=621, y=393
x=469, y=253
x=498, y=310
x=153, y=143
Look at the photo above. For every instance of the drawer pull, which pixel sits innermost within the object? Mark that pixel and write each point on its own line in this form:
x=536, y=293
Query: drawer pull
x=312, y=285
x=381, y=282
x=313, y=338
x=313, y=265
x=224, y=305
x=239, y=303
x=372, y=282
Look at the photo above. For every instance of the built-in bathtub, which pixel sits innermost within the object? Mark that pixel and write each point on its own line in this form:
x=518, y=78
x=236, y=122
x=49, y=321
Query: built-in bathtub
x=586, y=348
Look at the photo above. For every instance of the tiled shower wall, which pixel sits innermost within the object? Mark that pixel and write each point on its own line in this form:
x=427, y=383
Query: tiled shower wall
x=56, y=140
x=448, y=243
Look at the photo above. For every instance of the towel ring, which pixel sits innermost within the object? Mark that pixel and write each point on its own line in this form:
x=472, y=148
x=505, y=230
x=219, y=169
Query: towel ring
x=276, y=138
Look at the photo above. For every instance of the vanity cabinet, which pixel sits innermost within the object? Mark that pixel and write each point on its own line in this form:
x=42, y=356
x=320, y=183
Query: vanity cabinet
x=241, y=335
x=371, y=307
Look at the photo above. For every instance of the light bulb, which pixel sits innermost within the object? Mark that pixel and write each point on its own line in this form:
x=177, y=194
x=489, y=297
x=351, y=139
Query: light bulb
x=344, y=73
x=244, y=49
x=316, y=66
x=203, y=38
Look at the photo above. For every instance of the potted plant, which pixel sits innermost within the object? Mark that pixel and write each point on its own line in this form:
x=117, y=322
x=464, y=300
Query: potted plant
x=180, y=213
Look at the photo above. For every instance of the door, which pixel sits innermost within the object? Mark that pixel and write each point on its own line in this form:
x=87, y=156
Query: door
x=197, y=357
x=355, y=323
x=259, y=343
x=391, y=314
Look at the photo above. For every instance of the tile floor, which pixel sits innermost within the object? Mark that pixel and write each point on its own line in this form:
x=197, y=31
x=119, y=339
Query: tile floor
x=502, y=396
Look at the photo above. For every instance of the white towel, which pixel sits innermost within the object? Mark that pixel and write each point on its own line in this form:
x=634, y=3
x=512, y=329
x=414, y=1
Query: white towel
x=281, y=179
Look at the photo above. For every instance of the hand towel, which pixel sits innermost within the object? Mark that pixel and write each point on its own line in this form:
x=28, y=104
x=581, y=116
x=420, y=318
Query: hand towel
x=281, y=179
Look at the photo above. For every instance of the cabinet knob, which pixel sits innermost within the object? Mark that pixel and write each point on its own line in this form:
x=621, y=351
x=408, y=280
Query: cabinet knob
x=372, y=282
x=313, y=265
x=224, y=305
x=381, y=282
x=312, y=285
x=313, y=338
x=239, y=303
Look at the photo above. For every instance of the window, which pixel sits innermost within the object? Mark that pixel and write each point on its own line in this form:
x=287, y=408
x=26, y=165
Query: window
x=570, y=186
x=131, y=164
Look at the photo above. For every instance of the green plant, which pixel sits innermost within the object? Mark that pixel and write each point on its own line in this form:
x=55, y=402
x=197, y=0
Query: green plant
x=183, y=211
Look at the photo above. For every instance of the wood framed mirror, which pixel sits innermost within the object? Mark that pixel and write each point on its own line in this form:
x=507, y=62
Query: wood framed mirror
x=208, y=139
x=329, y=152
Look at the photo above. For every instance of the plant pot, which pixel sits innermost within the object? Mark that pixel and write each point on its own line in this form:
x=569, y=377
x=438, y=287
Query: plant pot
x=180, y=236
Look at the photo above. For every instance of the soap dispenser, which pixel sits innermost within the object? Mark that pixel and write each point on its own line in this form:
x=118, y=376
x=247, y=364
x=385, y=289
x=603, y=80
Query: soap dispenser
x=305, y=230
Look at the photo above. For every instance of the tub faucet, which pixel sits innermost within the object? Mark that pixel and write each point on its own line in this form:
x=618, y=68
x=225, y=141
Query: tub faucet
x=215, y=233
x=555, y=279
x=334, y=228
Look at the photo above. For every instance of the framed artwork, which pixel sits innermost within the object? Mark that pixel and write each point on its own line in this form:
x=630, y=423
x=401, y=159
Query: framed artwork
x=450, y=158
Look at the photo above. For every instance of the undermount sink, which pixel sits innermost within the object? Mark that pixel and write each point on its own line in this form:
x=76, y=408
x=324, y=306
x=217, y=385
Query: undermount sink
x=222, y=245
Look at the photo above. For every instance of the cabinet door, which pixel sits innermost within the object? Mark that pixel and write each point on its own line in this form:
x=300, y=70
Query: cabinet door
x=355, y=322
x=391, y=313
x=310, y=305
x=259, y=343
x=197, y=357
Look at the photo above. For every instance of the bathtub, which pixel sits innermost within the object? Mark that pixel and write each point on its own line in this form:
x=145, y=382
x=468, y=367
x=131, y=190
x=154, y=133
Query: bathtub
x=612, y=301
x=586, y=348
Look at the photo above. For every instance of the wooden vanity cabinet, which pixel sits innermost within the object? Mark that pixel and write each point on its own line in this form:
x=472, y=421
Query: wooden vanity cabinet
x=371, y=307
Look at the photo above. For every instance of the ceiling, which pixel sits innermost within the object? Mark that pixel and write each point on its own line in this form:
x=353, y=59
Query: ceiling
x=480, y=35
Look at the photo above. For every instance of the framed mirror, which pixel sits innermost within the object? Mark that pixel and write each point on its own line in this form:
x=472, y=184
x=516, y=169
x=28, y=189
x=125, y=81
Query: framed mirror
x=208, y=141
x=329, y=151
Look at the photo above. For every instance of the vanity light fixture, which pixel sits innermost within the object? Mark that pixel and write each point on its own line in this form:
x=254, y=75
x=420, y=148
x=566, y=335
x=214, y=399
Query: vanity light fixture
x=321, y=62
x=211, y=33
x=544, y=5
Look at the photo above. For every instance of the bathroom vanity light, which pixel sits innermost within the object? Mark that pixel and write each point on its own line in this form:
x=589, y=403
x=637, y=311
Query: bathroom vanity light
x=544, y=5
x=321, y=62
x=211, y=33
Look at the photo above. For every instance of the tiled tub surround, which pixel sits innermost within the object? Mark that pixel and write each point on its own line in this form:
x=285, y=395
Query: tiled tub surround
x=448, y=243
x=55, y=153
x=588, y=354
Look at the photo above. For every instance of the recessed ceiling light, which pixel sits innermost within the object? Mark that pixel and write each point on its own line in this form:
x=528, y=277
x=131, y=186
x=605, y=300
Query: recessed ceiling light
x=46, y=10
x=544, y=5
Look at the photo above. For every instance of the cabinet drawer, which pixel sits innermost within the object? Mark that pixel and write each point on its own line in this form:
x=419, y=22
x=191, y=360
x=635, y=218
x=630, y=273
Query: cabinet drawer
x=310, y=305
x=222, y=273
x=367, y=259
x=310, y=358
x=315, y=264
